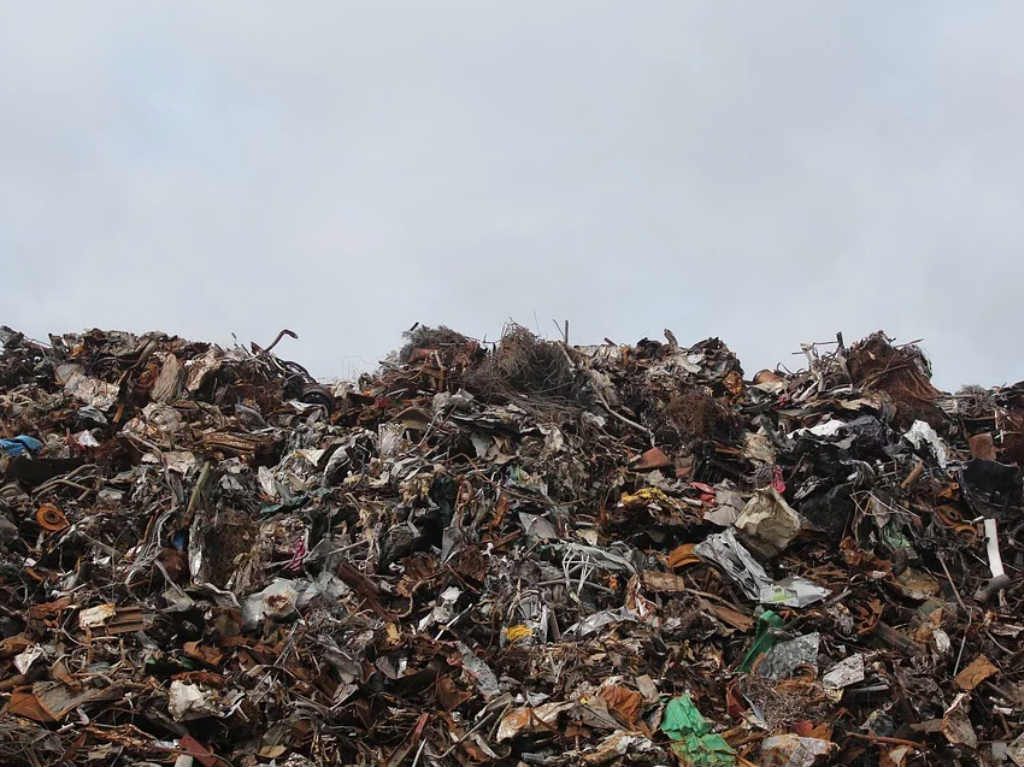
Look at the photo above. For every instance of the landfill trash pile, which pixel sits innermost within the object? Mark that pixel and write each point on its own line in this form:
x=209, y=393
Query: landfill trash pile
x=520, y=553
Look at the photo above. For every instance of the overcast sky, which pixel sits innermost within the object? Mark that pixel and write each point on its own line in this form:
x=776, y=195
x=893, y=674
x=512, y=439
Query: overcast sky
x=764, y=172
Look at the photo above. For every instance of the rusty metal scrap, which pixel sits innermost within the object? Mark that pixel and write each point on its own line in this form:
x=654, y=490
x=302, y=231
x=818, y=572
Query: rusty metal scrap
x=523, y=552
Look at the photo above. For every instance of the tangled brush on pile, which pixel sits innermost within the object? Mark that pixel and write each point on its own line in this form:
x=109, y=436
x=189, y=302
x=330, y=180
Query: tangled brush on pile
x=522, y=363
x=422, y=337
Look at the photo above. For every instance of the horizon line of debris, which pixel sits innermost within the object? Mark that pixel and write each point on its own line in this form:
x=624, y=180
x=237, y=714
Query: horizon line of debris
x=522, y=553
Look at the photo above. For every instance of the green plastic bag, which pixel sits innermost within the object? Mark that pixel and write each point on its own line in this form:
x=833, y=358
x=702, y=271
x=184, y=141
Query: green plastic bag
x=694, y=744
x=764, y=639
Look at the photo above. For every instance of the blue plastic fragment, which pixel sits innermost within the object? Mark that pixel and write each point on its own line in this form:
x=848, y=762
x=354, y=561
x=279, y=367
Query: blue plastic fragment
x=20, y=444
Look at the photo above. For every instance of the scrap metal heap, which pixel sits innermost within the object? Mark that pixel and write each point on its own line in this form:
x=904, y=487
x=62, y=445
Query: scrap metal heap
x=517, y=553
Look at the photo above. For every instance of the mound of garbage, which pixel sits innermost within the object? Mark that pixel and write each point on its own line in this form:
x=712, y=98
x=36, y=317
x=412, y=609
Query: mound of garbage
x=518, y=553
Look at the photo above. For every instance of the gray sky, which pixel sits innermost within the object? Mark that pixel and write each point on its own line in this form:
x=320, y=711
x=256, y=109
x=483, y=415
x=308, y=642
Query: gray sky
x=764, y=172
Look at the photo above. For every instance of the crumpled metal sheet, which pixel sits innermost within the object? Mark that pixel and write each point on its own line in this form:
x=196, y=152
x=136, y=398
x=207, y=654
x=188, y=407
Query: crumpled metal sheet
x=728, y=553
x=786, y=657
